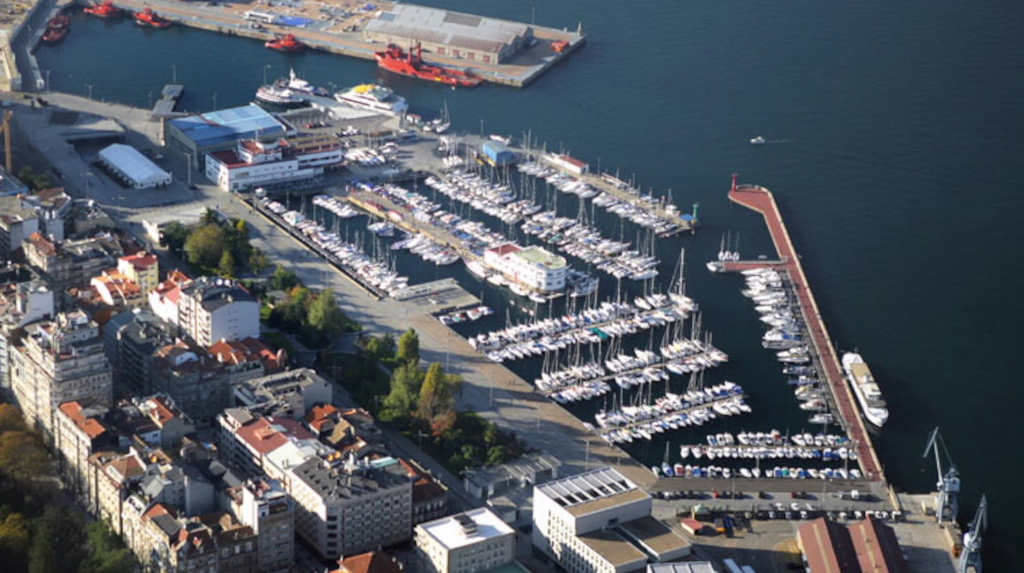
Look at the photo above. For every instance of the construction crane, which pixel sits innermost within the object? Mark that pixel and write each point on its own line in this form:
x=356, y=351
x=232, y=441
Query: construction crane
x=947, y=502
x=970, y=558
x=8, y=159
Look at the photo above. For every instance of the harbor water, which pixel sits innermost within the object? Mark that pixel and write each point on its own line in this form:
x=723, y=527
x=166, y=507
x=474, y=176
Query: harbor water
x=892, y=141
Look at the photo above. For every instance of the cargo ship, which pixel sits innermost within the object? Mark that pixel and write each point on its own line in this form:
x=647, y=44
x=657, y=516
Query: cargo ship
x=57, y=28
x=397, y=61
x=286, y=43
x=104, y=10
x=151, y=19
x=865, y=388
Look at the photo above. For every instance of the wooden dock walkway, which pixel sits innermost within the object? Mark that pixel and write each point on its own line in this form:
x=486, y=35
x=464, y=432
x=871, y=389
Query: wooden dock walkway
x=762, y=201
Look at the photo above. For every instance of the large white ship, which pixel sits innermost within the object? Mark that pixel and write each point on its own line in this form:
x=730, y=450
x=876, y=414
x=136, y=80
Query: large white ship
x=374, y=98
x=867, y=391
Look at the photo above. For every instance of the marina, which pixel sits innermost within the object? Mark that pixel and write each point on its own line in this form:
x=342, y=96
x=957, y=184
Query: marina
x=762, y=201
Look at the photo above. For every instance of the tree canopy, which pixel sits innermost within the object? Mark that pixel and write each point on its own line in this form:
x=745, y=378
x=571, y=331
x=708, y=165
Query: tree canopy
x=205, y=245
x=409, y=346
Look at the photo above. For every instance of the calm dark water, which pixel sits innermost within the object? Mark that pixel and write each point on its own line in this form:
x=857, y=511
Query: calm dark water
x=896, y=177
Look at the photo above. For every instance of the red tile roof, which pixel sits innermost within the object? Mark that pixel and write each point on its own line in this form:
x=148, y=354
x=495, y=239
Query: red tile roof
x=827, y=547
x=141, y=260
x=156, y=510
x=91, y=426
x=261, y=437
x=372, y=562
x=42, y=244
x=877, y=549
x=161, y=411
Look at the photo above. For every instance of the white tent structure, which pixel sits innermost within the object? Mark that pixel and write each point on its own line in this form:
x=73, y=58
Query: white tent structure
x=133, y=168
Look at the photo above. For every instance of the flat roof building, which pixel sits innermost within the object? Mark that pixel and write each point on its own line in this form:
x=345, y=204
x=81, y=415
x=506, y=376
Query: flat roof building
x=475, y=540
x=600, y=521
x=449, y=34
x=133, y=168
x=200, y=134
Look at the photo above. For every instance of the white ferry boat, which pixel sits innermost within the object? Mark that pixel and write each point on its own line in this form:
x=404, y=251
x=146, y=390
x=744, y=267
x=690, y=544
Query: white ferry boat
x=374, y=98
x=867, y=391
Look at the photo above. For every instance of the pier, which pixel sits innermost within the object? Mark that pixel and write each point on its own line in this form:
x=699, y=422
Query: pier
x=344, y=36
x=169, y=96
x=762, y=201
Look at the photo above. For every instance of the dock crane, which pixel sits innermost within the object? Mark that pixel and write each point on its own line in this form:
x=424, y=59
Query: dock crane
x=947, y=503
x=970, y=558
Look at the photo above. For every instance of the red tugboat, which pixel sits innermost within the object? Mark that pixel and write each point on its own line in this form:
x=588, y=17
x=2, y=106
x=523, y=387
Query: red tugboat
x=151, y=19
x=104, y=10
x=286, y=43
x=57, y=28
x=395, y=60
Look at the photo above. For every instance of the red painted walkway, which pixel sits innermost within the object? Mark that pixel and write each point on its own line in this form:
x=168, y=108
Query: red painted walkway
x=761, y=200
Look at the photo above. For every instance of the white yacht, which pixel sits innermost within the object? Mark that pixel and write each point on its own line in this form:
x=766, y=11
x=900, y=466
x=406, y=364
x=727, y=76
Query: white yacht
x=867, y=391
x=375, y=98
x=297, y=84
x=757, y=140
x=278, y=95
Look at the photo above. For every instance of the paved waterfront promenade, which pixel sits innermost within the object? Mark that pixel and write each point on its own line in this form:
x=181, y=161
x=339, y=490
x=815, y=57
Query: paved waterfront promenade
x=761, y=200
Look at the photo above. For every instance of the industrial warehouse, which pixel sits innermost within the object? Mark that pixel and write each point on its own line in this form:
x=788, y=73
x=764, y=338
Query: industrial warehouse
x=452, y=34
x=197, y=135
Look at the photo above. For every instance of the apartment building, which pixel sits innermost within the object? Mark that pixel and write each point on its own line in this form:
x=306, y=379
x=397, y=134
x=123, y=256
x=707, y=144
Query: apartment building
x=56, y=361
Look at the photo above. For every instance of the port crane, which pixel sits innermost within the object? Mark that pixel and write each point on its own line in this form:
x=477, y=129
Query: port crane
x=970, y=557
x=947, y=502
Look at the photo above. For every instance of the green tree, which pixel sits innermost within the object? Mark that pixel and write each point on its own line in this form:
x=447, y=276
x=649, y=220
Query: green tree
x=324, y=315
x=226, y=266
x=491, y=434
x=496, y=455
x=106, y=552
x=283, y=279
x=470, y=453
x=57, y=542
x=401, y=399
x=258, y=260
x=432, y=399
x=14, y=540
x=409, y=346
x=381, y=347
x=22, y=455
x=175, y=235
x=205, y=245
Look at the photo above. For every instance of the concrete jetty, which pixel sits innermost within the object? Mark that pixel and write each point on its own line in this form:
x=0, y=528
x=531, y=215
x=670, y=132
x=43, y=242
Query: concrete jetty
x=344, y=37
x=762, y=201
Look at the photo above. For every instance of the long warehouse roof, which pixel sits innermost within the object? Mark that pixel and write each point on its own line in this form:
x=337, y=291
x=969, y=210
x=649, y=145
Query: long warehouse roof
x=133, y=165
x=444, y=27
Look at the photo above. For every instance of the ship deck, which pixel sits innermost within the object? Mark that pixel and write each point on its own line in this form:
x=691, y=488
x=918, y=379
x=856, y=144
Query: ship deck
x=763, y=201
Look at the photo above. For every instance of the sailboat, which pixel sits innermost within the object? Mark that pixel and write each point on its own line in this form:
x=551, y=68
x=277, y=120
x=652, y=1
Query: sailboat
x=677, y=287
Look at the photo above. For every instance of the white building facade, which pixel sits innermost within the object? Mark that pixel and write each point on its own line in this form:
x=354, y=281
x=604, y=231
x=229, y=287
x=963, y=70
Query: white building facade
x=212, y=309
x=532, y=267
x=254, y=164
x=476, y=540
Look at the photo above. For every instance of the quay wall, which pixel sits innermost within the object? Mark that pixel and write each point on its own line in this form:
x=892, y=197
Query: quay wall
x=351, y=43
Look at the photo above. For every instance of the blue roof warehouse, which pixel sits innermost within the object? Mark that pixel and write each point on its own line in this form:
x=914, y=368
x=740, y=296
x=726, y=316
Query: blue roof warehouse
x=197, y=135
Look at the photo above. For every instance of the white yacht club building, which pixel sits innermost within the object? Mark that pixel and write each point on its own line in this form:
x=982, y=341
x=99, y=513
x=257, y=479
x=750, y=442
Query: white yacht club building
x=532, y=267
